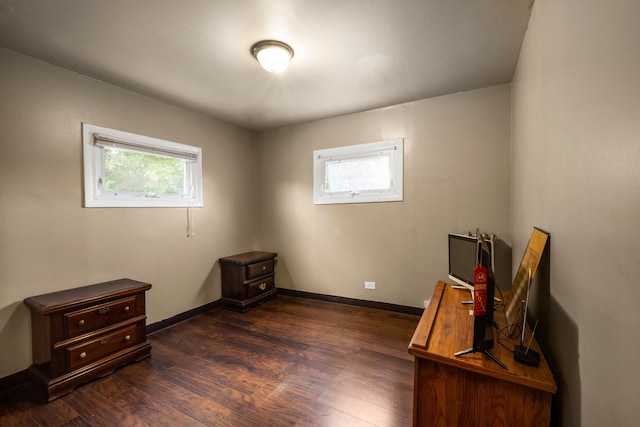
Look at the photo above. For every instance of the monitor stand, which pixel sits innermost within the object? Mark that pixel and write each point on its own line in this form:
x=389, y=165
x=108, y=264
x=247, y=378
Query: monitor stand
x=483, y=346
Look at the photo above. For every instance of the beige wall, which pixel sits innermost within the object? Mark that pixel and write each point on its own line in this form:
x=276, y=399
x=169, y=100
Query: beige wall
x=576, y=173
x=456, y=178
x=49, y=242
x=572, y=169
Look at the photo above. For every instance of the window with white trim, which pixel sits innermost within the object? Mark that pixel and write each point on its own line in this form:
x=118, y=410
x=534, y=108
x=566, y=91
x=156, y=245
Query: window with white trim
x=359, y=173
x=123, y=169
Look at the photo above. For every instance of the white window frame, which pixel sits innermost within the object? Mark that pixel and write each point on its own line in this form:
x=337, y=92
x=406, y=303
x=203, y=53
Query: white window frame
x=393, y=148
x=95, y=138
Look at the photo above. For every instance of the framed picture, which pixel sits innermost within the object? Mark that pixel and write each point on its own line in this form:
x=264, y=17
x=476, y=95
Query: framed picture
x=525, y=274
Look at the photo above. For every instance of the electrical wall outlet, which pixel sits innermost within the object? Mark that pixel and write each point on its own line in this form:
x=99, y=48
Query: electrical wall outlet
x=369, y=285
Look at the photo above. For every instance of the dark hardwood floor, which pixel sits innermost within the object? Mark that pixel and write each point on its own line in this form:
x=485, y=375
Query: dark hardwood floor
x=289, y=362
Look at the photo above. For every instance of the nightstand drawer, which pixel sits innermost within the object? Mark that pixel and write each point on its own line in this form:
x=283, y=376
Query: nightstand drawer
x=260, y=286
x=99, y=316
x=260, y=269
x=104, y=345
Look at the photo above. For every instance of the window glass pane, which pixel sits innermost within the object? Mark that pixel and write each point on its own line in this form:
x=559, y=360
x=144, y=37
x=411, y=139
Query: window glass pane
x=136, y=172
x=367, y=173
x=362, y=173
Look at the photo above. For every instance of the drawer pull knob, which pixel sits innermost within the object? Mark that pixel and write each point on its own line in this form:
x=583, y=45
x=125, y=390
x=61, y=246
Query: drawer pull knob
x=262, y=286
x=81, y=322
x=126, y=309
x=105, y=340
x=264, y=267
x=104, y=310
x=127, y=338
x=83, y=355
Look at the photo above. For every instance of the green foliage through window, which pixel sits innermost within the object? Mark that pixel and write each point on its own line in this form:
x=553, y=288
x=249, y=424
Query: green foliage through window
x=136, y=172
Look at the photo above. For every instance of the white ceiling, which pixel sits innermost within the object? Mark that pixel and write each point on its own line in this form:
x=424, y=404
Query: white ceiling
x=350, y=55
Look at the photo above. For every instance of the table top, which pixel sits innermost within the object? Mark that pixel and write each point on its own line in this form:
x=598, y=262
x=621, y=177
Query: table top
x=248, y=257
x=446, y=327
x=66, y=299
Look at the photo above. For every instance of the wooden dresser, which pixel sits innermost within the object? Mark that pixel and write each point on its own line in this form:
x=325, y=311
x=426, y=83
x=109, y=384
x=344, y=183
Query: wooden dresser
x=247, y=279
x=85, y=333
x=472, y=390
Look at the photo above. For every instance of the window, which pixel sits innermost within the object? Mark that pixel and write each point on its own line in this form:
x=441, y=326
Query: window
x=123, y=169
x=358, y=173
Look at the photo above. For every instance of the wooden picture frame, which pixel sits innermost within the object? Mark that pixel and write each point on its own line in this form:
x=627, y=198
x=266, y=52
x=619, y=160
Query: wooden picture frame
x=529, y=264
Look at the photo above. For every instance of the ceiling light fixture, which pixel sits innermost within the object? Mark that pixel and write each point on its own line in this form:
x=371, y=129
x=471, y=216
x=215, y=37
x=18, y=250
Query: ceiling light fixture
x=273, y=55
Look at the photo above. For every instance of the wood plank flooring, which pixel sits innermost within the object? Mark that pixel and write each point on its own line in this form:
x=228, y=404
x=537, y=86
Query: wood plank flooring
x=289, y=362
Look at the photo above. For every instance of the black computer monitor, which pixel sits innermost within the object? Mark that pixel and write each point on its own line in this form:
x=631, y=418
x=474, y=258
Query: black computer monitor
x=463, y=258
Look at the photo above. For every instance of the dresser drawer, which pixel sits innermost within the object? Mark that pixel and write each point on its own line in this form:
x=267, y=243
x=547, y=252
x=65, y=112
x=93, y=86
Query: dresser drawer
x=260, y=269
x=259, y=287
x=102, y=346
x=92, y=318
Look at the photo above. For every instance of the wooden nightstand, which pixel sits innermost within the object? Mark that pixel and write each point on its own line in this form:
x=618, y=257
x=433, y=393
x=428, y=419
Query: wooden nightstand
x=247, y=279
x=85, y=333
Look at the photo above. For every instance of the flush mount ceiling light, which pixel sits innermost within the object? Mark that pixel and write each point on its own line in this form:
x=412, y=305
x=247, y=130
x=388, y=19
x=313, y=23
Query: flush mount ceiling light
x=273, y=55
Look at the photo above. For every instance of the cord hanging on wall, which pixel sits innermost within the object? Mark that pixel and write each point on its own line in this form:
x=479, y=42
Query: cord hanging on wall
x=190, y=229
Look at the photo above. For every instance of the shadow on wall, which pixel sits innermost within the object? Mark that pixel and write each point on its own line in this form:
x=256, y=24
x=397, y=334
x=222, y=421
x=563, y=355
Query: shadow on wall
x=15, y=334
x=564, y=362
x=557, y=335
x=502, y=254
x=283, y=276
x=211, y=283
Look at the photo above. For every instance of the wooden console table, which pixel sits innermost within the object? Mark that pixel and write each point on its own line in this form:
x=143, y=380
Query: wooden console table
x=472, y=390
